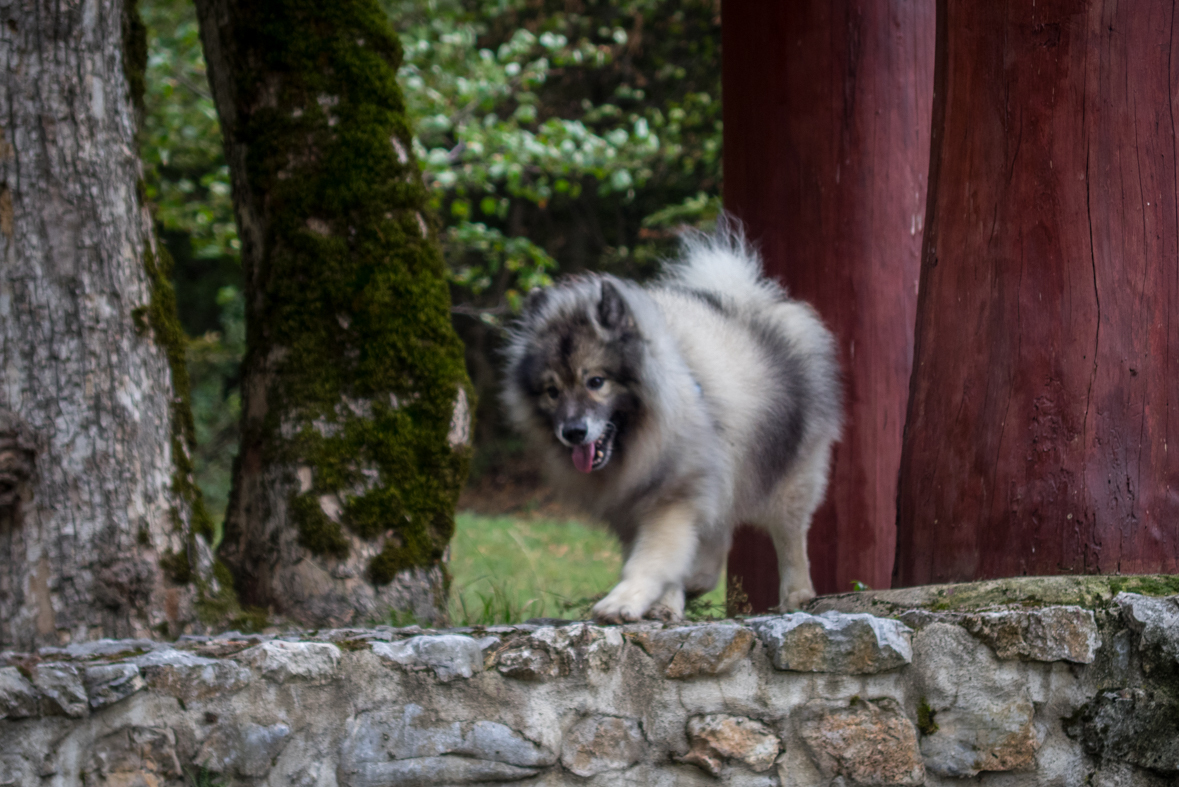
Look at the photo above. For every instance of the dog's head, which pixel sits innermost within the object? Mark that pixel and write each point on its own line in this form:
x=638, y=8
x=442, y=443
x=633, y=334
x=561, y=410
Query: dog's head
x=573, y=368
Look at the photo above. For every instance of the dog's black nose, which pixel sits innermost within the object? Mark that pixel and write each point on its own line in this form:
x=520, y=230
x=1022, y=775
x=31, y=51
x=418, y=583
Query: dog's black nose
x=574, y=434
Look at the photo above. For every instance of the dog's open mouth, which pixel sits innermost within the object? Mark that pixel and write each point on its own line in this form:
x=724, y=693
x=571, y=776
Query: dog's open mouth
x=588, y=457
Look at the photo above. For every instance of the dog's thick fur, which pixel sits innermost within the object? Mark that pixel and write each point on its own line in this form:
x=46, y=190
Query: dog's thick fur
x=706, y=400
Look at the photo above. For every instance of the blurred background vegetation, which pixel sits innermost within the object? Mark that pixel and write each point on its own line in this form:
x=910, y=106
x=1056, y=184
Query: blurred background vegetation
x=556, y=136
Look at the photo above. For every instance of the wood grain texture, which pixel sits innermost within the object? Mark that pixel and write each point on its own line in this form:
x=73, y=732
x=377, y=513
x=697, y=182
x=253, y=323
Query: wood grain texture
x=827, y=115
x=1044, y=412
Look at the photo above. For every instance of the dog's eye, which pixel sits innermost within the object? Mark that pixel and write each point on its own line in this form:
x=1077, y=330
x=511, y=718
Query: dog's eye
x=594, y=383
x=552, y=392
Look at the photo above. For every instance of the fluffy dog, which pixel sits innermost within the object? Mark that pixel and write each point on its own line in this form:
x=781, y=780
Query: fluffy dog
x=677, y=411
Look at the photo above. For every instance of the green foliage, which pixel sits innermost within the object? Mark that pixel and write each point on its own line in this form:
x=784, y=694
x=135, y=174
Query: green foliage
x=187, y=185
x=162, y=318
x=186, y=174
x=214, y=359
x=592, y=128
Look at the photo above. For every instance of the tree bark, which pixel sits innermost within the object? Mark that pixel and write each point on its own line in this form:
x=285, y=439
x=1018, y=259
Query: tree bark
x=1045, y=396
x=96, y=496
x=355, y=399
x=827, y=111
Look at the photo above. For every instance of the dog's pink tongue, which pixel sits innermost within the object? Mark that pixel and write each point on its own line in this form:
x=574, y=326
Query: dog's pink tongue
x=583, y=457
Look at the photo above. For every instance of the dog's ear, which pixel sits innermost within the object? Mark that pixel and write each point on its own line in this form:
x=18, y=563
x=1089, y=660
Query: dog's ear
x=613, y=313
x=535, y=301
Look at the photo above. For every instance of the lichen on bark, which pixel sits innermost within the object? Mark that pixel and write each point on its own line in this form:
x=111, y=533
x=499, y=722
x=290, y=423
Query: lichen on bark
x=353, y=369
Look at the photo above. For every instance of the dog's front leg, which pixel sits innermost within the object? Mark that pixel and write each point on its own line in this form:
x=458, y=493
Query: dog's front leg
x=660, y=558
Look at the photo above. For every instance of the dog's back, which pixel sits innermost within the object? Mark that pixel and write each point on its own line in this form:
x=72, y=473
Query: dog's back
x=765, y=363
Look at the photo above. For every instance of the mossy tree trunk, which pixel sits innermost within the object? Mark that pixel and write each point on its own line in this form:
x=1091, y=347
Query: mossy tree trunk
x=97, y=505
x=355, y=399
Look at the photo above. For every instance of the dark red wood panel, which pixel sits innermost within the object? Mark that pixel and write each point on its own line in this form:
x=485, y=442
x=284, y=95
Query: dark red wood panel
x=827, y=118
x=1043, y=429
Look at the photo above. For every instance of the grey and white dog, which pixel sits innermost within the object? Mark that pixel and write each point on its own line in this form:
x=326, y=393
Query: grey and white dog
x=677, y=411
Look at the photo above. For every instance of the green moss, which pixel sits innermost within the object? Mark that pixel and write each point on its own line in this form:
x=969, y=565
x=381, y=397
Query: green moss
x=391, y=561
x=377, y=512
x=161, y=316
x=222, y=609
x=176, y=567
x=1095, y=592
x=347, y=302
x=1150, y=585
x=139, y=320
x=250, y=619
x=925, y=718
x=317, y=532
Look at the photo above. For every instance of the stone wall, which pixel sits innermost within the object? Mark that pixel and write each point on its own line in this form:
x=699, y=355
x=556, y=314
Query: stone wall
x=925, y=691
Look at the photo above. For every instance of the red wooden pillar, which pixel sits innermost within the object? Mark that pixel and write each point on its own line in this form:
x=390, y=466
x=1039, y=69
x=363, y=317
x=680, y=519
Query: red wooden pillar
x=827, y=117
x=1043, y=431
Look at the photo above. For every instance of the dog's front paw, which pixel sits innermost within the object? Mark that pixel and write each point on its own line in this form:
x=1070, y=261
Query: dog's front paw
x=663, y=613
x=795, y=599
x=626, y=603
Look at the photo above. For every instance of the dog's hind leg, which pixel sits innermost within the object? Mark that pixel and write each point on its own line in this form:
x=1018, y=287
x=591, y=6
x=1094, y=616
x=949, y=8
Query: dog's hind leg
x=788, y=519
x=660, y=558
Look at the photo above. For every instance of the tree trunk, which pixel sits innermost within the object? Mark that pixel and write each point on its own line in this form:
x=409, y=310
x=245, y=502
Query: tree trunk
x=1045, y=397
x=827, y=109
x=96, y=496
x=355, y=400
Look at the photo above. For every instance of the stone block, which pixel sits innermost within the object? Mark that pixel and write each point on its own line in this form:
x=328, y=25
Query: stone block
x=109, y=683
x=450, y=656
x=866, y=743
x=552, y=651
x=61, y=689
x=134, y=756
x=189, y=677
x=979, y=713
x=103, y=648
x=1156, y=621
x=717, y=737
x=280, y=661
x=1048, y=634
x=599, y=744
x=527, y=663
x=246, y=750
x=851, y=644
x=688, y=651
x=18, y=698
x=398, y=746
x=378, y=738
x=1135, y=726
x=429, y=772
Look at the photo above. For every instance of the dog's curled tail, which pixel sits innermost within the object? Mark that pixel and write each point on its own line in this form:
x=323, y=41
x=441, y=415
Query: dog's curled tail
x=724, y=263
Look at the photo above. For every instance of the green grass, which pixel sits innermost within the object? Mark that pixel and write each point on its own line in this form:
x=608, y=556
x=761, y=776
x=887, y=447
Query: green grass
x=509, y=569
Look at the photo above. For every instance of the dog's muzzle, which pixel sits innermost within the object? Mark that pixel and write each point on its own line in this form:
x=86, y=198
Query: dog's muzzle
x=594, y=455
